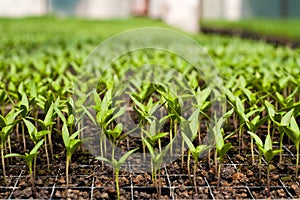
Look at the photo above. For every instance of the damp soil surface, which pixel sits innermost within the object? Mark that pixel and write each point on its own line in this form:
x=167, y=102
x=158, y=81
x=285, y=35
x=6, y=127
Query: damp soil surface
x=89, y=179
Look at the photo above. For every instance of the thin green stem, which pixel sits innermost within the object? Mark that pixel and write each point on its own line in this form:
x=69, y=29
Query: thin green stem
x=219, y=173
x=280, y=147
x=101, y=147
x=9, y=146
x=182, y=153
x=171, y=135
x=159, y=185
x=117, y=183
x=3, y=164
x=50, y=142
x=46, y=151
x=23, y=136
x=195, y=180
x=252, y=151
x=259, y=165
x=32, y=178
x=188, y=163
x=67, y=170
x=34, y=166
x=269, y=180
x=297, y=158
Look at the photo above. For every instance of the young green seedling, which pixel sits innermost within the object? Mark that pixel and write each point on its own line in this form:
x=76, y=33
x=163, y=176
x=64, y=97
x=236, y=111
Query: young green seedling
x=253, y=125
x=71, y=144
x=196, y=152
x=221, y=147
x=24, y=106
x=36, y=136
x=260, y=144
x=284, y=119
x=153, y=134
x=106, y=114
x=47, y=125
x=243, y=120
x=6, y=125
x=267, y=151
x=190, y=129
x=29, y=157
x=117, y=166
x=293, y=132
x=156, y=160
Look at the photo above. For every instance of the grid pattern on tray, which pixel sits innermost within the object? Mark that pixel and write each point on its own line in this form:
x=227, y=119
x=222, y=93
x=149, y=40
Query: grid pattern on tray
x=169, y=189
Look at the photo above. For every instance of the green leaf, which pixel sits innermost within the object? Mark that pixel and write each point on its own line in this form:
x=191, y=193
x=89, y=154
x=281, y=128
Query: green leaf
x=31, y=130
x=240, y=109
x=224, y=149
x=227, y=114
x=117, y=114
x=36, y=147
x=74, y=145
x=159, y=136
x=287, y=118
x=188, y=142
x=230, y=95
x=40, y=134
x=104, y=159
x=2, y=121
x=150, y=148
x=200, y=149
x=270, y=109
x=97, y=101
x=294, y=137
x=218, y=135
x=71, y=120
x=194, y=122
x=268, y=155
x=89, y=114
x=13, y=155
x=48, y=118
x=268, y=143
x=74, y=135
x=11, y=116
x=60, y=114
x=161, y=155
x=126, y=155
x=66, y=135
x=258, y=141
x=294, y=126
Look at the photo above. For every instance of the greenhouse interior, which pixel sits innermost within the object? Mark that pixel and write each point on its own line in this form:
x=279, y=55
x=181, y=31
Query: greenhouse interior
x=149, y=99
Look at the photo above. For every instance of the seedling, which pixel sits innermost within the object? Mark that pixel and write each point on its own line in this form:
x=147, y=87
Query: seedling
x=6, y=125
x=29, y=157
x=196, y=152
x=267, y=151
x=293, y=132
x=71, y=144
x=117, y=166
x=221, y=147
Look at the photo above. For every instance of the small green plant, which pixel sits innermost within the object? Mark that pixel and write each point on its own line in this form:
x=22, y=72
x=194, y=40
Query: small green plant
x=266, y=149
x=221, y=147
x=105, y=115
x=293, y=132
x=196, y=152
x=71, y=143
x=116, y=164
x=6, y=125
x=156, y=160
x=29, y=157
x=36, y=136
